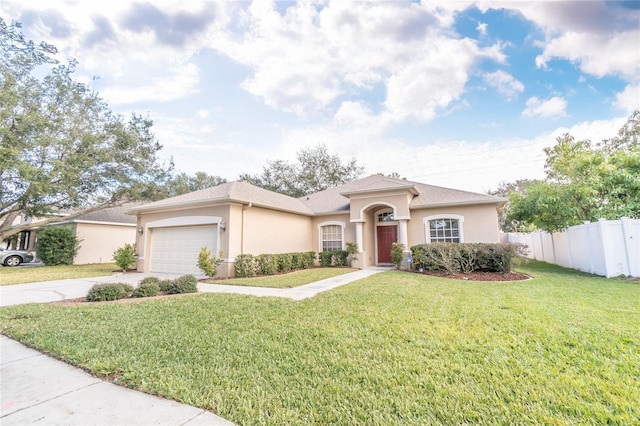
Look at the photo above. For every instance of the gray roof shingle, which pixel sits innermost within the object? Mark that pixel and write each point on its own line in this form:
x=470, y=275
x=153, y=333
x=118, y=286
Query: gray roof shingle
x=332, y=200
x=241, y=192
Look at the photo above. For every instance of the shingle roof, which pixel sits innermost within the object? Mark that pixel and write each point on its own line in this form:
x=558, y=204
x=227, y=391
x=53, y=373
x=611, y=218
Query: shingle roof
x=241, y=192
x=334, y=199
x=111, y=214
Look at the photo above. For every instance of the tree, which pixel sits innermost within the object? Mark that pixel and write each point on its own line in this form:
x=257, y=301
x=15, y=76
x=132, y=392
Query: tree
x=584, y=182
x=183, y=183
x=61, y=147
x=507, y=222
x=315, y=170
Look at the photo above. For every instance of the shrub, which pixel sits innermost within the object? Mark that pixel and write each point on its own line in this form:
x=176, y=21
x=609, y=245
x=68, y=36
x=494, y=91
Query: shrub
x=285, y=262
x=146, y=289
x=397, y=253
x=57, y=245
x=297, y=261
x=309, y=259
x=165, y=285
x=339, y=258
x=352, y=250
x=111, y=291
x=184, y=284
x=125, y=257
x=325, y=258
x=266, y=264
x=466, y=257
x=148, y=280
x=207, y=263
x=245, y=266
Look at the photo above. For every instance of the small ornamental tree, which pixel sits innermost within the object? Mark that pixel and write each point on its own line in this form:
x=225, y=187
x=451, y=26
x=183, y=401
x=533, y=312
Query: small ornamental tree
x=352, y=250
x=125, y=257
x=207, y=263
x=57, y=245
x=397, y=253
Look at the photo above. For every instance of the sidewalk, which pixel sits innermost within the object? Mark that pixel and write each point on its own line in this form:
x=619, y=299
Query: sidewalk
x=36, y=388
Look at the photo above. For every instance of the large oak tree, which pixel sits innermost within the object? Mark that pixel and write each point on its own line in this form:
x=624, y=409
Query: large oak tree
x=62, y=150
x=315, y=170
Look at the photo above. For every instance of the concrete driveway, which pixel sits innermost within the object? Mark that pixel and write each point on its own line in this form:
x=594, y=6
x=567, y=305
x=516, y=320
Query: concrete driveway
x=53, y=291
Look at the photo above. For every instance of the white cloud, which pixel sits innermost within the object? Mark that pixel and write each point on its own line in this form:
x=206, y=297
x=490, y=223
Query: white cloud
x=596, y=54
x=552, y=108
x=306, y=59
x=203, y=113
x=183, y=82
x=504, y=83
x=629, y=99
x=482, y=28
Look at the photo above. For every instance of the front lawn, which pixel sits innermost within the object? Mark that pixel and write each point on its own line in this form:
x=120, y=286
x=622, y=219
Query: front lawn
x=395, y=348
x=35, y=274
x=289, y=280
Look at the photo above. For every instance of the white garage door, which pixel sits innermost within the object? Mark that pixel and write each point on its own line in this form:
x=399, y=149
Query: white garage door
x=175, y=250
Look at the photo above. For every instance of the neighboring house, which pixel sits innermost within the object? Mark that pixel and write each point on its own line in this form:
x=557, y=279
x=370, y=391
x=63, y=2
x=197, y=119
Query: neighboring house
x=101, y=233
x=238, y=218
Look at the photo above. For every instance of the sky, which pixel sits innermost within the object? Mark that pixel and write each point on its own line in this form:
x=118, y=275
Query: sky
x=461, y=94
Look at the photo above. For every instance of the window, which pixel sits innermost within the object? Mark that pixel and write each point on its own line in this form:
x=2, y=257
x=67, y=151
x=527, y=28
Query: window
x=385, y=217
x=331, y=237
x=444, y=229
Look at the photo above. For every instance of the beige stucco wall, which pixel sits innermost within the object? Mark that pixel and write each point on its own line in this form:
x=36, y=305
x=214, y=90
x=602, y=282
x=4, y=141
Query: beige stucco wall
x=99, y=241
x=480, y=223
x=335, y=219
x=399, y=202
x=268, y=232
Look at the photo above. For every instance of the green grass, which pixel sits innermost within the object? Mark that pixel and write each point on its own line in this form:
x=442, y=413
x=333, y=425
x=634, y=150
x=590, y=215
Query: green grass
x=292, y=279
x=395, y=348
x=35, y=274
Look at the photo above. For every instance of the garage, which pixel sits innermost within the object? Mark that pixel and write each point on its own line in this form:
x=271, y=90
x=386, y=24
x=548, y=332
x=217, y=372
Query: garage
x=175, y=250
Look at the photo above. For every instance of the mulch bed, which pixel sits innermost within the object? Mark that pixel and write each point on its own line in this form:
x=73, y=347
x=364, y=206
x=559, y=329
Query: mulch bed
x=479, y=276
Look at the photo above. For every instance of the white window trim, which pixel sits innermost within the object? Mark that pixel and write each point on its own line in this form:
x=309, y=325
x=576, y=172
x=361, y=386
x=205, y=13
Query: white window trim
x=333, y=222
x=426, y=219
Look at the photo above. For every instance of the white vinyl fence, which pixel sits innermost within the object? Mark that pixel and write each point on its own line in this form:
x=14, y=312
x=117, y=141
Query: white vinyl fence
x=608, y=247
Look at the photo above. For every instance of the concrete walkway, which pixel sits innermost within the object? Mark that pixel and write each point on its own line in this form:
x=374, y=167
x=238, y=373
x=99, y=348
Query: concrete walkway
x=38, y=389
x=296, y=293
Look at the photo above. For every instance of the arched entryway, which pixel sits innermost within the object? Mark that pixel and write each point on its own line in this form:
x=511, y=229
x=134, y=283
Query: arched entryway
x=386, y=234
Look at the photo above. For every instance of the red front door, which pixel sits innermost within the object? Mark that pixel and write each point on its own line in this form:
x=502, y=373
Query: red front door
x=387, y=235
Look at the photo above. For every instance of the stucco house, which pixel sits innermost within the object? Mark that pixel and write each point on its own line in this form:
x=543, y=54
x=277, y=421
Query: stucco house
x=239, y=218
x=100, y=233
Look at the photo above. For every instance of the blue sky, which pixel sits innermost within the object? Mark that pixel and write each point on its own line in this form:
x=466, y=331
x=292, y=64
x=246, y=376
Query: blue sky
x=463, y=94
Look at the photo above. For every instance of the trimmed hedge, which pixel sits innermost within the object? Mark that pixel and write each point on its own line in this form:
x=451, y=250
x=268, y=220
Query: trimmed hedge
x=466, y=257
x=184, y=284
x=148, y=287
x=110, y=291
x=248, y=265
x=333, y=258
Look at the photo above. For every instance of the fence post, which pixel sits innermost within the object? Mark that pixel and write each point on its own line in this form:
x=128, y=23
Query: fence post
x=589, y=245
x=568, y=231
x=602, y=224
x=625, y=223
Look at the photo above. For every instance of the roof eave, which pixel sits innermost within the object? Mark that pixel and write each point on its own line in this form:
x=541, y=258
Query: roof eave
x=456, y=203
x=412, y=189
x=208, y=201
